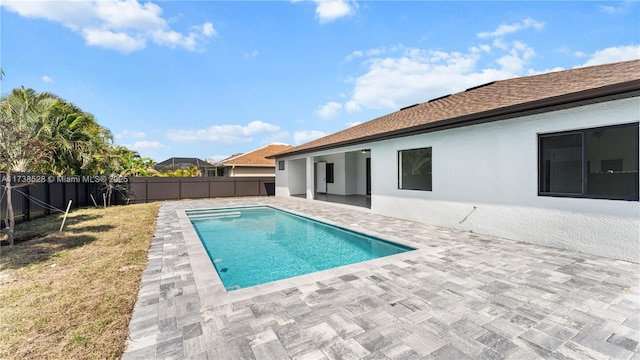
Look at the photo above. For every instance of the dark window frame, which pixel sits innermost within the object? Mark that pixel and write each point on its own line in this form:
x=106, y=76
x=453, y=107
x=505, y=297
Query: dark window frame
x=399, y=169
x=280, y=164
x=584, y=162
x=329, y=173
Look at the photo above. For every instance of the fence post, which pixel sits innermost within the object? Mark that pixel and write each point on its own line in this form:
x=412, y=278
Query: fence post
x=64, y=192
x=180, y=188
x=27, y=204
x=48, y=198
x=146, y=190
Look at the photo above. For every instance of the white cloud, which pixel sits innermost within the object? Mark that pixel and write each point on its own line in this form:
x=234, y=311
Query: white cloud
x=623, y=8
x=121, y=25
x=145, y=145
x=115, y=41
x=138, y=134
x=355, y=123
x=131, y=134
x=208, y=30
x=398, y=76
x=608, y=9
x=304, y=136
x=517, y=57
x=275, y=137
x=225, y=134
x=579, y=54
x=351, y=106
x=614, y=54
x=330, y=10
x=329, y=110
x=47, y=78
x=503, y=30
x=252, y=54
x=418, y=75
x=354, y=55
x=373, y=52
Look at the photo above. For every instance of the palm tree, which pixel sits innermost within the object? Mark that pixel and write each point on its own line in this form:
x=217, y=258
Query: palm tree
x=79, y=141
x=20, y=114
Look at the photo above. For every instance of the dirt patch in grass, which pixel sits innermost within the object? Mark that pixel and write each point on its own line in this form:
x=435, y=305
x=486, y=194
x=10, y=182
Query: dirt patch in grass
x=70, y=294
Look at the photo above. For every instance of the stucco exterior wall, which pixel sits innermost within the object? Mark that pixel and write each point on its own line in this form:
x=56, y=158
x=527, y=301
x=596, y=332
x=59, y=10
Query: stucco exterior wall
x=361, y=172
x=282, y=180
x=338, y=160
x=291, y=180
x=350, y=165
x=249, y=171
x=485, y=181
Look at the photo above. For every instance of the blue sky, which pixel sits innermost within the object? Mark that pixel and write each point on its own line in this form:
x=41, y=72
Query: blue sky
x=212, y=78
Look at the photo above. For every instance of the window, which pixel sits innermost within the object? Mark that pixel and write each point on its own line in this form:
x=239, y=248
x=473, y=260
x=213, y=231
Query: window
x=280, y=164
x=414, y=169
x=329, y=174
x=599, y=163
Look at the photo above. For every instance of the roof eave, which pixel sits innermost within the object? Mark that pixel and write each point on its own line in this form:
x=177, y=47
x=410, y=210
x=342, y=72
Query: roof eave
x=538, y=106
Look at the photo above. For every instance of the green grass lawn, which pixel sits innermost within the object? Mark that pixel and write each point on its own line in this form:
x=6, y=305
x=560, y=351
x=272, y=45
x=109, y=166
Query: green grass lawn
x=70, y=294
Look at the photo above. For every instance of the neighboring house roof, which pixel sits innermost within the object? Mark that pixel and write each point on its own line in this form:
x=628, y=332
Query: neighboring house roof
x=219, y=163
x=256, y=157
x=177, y=161
x=496, y=100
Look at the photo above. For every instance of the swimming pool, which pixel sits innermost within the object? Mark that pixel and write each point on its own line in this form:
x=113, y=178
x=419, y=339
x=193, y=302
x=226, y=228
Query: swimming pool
x=255, y=245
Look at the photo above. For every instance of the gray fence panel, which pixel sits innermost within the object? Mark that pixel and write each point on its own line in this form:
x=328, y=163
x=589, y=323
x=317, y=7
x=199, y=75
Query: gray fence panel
x=197, y=189
x=71, y=194
x=39, y=192
x=222, y=188
x=163, y=189
x=82, y=195
x=57, y=195
x=137, y=190
x=247, y=188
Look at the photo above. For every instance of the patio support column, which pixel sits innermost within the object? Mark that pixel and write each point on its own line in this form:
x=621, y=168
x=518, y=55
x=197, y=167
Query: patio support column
x=310, y=177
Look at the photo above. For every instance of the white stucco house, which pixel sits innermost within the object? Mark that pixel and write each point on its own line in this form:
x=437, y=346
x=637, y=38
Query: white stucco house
x=549, y=159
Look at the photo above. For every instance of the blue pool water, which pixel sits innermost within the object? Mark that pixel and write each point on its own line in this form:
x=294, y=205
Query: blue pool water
x=256, y=245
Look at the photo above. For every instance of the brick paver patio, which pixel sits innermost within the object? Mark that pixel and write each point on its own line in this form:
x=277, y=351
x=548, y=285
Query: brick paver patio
x=459, y=296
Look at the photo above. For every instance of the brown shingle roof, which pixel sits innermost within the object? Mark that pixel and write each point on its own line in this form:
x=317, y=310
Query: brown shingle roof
x=257, y=157
x=499, y=99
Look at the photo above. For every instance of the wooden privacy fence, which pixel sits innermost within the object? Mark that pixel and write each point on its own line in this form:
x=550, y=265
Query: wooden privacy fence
x=46, y=193
x=146, y=189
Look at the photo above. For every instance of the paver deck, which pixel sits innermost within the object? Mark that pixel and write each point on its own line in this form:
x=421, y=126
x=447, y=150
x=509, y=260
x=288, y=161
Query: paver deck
x=460, y=295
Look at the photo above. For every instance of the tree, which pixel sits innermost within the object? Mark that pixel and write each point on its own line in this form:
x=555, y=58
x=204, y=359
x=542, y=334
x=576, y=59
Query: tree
x=41, y=132
x=20, y=113
x=79, y=142
x=191, y=171
x=119, y=163
x=124, y=162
